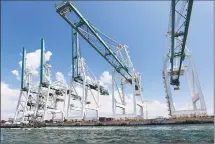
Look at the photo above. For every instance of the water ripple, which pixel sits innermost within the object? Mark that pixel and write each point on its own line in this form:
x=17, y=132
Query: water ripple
x=182, y=134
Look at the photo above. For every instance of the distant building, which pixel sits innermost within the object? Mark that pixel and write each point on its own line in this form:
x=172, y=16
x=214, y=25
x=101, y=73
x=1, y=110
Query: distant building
x=10, y=119
x=105, y=119
x=160, y=118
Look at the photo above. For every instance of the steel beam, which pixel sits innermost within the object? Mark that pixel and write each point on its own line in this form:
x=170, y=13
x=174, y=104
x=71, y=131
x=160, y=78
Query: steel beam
x=172, y=37
x=23, y=68
x=182, y=33
x=106, y=51
x=42, y=60
x=189, y=10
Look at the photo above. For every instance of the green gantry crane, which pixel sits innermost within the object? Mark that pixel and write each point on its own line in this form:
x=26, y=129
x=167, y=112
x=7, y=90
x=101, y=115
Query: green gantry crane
x=178, y=28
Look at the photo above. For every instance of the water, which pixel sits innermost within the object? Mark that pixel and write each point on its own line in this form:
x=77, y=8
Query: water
x=181, y=134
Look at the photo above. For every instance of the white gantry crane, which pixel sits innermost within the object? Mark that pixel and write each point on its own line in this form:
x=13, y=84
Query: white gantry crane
x=40, y=102
x=181, y=63
x=85, y=88
x=51, y=94
x=28, y=94
x=114, y=53
x=122, y=87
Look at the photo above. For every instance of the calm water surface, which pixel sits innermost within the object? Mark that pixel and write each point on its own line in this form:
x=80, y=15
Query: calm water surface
x=181, y=134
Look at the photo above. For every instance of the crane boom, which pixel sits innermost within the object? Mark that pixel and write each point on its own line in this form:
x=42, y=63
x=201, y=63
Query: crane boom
x=178, y=29
x=92, y=36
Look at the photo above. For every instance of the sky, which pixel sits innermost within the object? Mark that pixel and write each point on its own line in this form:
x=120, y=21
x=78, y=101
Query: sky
x=141, y=25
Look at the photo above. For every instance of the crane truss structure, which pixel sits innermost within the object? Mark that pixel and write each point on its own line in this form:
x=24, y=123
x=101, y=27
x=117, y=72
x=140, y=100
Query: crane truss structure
x=51, y=95
x=37, y=101
x=28, y=94
x=178, y=30
x=109, y=49
x=178, y=53
x=120, y=85
x=85, y=89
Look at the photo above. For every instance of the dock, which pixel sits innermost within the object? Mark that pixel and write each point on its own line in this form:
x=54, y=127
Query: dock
x=117, y=123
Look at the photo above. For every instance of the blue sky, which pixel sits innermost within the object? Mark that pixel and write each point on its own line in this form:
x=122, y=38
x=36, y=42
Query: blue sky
x=140, y=25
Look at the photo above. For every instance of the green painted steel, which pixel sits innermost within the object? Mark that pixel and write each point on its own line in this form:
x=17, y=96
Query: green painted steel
x=42, y=60
x=107, y=53
x=189, y=10
x=23, y=68
x=183, y=33
x=172, y=38
x=73, y=54
x=76, y=55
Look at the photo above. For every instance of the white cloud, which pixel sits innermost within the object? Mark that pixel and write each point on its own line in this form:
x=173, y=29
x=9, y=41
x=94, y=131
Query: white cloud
x=34, y=72
x=60, y=77
x=16, y=73
x=9, y=99
x=33, y=60
x=156, y=108
x=187, y=106
x=106, y=79
x=33, y=63
x=48, y=55
x=210, y=111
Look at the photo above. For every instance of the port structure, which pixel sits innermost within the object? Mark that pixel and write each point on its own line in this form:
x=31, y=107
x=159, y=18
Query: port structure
x=120, y=85
x=177, y=54
x=108, y=49
x=51, y=94
x=179, y=19
x=28, y=94
x=36, y=102
x=85, y=88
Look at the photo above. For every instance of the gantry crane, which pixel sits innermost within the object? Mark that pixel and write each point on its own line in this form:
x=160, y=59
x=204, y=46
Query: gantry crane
x=51, y=94
x=79, y=103
x=37, y=101
x=28, y=94
x=114, y=53
x=178, y=28
x=180, y=13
